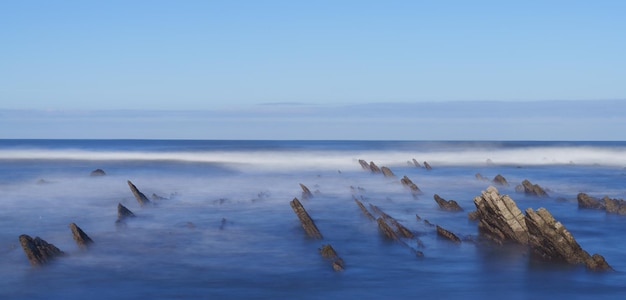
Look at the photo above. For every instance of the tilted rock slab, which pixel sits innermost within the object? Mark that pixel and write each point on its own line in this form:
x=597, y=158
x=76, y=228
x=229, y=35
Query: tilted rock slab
x=141, y=198
x=500, y=219
x=38, y=251
x=412, y=186
x=80, y=237
x=532, y=189
x=364, y=164
x=450, y=205
x=364, y=209
x=328, y=252
x=387, y=172
x=500, y=180
x=448, y=234
x=307, y=223
x=306, y=193
x=427, y=166
x=374, y=167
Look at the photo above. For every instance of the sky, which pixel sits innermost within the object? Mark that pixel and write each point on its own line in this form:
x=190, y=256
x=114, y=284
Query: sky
x=245, y=59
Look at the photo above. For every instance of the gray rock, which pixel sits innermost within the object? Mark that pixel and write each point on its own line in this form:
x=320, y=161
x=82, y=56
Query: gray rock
x=387, y=172
x=586, y=201
x=450, y=205
x=500, y=218
x=80, y=237
x=141, y=198
x=38, y=251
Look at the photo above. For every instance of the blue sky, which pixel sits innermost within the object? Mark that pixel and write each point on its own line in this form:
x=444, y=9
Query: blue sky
x=225, y=56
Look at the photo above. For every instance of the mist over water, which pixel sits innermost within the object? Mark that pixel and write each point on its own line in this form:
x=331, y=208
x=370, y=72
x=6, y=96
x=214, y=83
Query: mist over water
x=226, y=229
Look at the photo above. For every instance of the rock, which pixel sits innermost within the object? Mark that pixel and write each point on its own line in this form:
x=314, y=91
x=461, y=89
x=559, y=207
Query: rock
x=550, y=240
x=417, y=164
x=500, y=180
x=500, y=218
x=533, y=189
x=123, y=213
x=427, y=166
x=158, y=198
x=364, y=165
x=400, y=229
x=43, y=181
x=447, y=234
x=586, y=201
x=450, y=205
x=386, y=230
x=364, y=210
x=412, y=186
x=374, y=167
x=480, y=177
x=307, y=223
x=617, y=206
x=97, y=172
x=141, y=198
x=328, y=252
x=80, y=237
x=306, y=193
x=473, y=215
x=387, y=172
x=38, y=251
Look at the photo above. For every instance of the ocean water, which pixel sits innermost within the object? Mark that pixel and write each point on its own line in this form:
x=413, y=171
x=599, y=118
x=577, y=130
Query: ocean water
x=226, y=230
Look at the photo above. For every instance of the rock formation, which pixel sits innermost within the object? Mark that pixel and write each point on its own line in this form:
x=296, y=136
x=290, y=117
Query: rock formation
x=617, y=206
x=500, y=180
x=387, y=172
x=38, y=251
x=531, y=189
x=374, y=167
x=307, y=223
x=328, y=252
x=97, y=172
x=447, y=234
x=586, y=201
x=306, y=193
x=500, y=219
x=364, y=210
x=80, y=237
x=427, y=166
x=417, y=164
x=364, y=165
x=123, y=213
x=450, y=205
x=141, y=198
x=480, y=177
x=412, y=186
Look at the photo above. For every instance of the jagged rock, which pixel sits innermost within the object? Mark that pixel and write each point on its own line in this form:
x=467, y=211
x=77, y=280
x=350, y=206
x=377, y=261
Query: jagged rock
x=364, y=165
x=500, y=218
x=307, y=223
x=586, y=201
x=141, y=198
x=447, y=234
x=306, y=193
x=550, y=240
x=97, y=172
x=374, y=167
x=123, y=213
x=480, y=177
x=386, y=230
x=364, y=210
x=427, y=166
x=408, y=183
x=473, y=215
x=387, y=172
x=500, y=180
x=38, y=251
x=450, y=205
x=328, y=252
x=81, y=238
x=532, y=189
x=617, y=206
x=417, y=164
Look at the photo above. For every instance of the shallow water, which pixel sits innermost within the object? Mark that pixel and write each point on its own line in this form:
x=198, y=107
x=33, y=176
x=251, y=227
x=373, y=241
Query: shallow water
x=227, y=230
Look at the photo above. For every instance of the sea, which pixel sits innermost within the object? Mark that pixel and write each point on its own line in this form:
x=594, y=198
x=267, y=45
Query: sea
x=220, y=225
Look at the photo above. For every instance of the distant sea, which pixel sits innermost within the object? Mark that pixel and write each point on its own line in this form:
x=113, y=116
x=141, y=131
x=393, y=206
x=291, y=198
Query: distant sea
x=221, y=226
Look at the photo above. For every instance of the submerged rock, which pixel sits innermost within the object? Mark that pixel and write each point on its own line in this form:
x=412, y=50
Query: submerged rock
x=364, y=165
x=447, y=234
x=80, y=237
x=364, y=210
x=141, y=198
x=500, y=218
x=586, y=201
x=450, y=205
x=480, y=177
x=500, y=180
x=97, y=172
x=328, y=252
x=417, y=164
x=307, y=223
x=427, y=166
x=374, y=167
x=532, y=189
x=38, y=251
x=387, y=172
x=306, y=193
x=123, y=213
x=412, y=186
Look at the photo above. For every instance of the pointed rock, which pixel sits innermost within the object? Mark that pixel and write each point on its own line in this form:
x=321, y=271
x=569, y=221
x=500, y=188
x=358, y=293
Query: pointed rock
x=307, y=223
x=500, y=180
x=417, y=164
x=328, y=252
x=374, y=167
x=480, y=177
x=500, y=218
x=412, y=186
x=387, y=172
x=81, y=238
x=141, y=198
x=38, y=251
x=532, y=189
x=363, y=209
x=306, y=193
x=427, y=166
x=450, y=205
x=364, y=165
x=447, y=234
x=123, y=213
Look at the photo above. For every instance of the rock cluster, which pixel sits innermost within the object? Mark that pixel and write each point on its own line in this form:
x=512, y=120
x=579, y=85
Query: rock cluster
x=616, y=206
x=38, y=251
x=447, y=234
x=450, y=205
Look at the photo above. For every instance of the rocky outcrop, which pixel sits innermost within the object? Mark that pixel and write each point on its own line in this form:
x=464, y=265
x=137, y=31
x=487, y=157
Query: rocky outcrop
x=412, y=186
x=364, y=210
x=450, y=205
x=38, y=251
x=415, y=163
x=480, y=177
x=97, y=172
x=123, y=213
x=499, y=218
x=387, y=172
x=500, y=180
x=550, y=240
x=427, y=166
x=586, y=201
x=306, y=193
x=80, y=237
x=374, y=168
x=616, y=206
x=328, y=252
x=448, y=234
x=307, y=223
x=141, y=198
x=531, y=189
x=400, y=229
x=364, y=164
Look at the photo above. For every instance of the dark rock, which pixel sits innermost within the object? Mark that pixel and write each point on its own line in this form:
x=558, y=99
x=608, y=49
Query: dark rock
x=400, y=229
x=97, y=172
x=447, y=234
x=386, y=230
x=417, y=217
x=158, y=198
x=80, y=237
x=374, y=167
x=328, y=252
x=500, y=218
x=428, y=223
x=123, y=213
x=306, y=193
x=417, y=164
x=387, y=172
x=533, y=189
x=550, y=240
x=141, y=198
x=364, y=210
x=38, y=251
x=427, y=166
x=412, y=186
x=364, y=165
x=473, y=215
x=480, y=177
x=586, y=201
x=450, y=205
x=617, y=206
x=307, y=223
x=500, y=180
